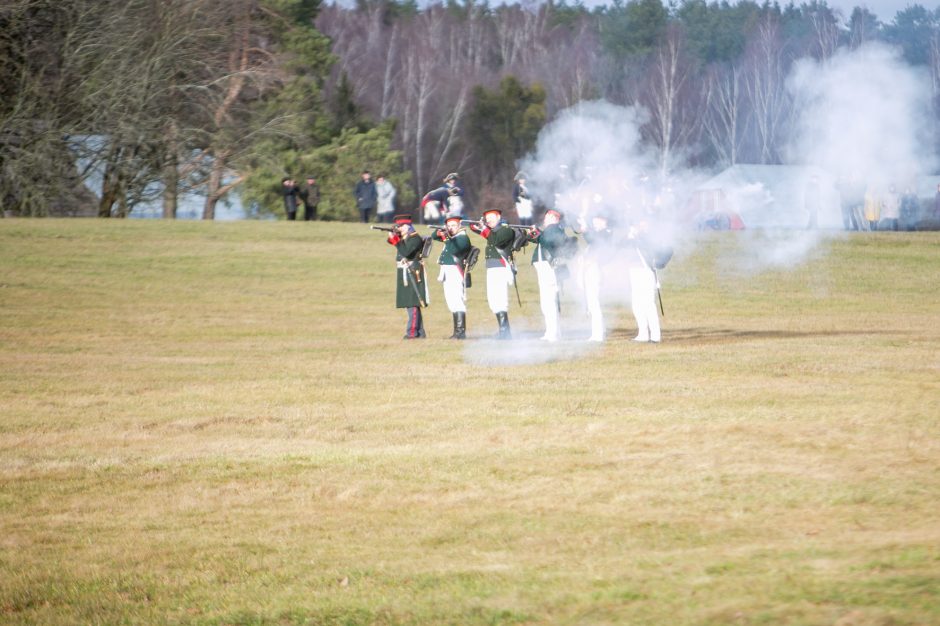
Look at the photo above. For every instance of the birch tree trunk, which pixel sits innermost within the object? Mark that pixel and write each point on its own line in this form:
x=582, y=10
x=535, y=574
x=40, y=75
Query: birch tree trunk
x=764, y=86
x=724, y=120
x=667, y=98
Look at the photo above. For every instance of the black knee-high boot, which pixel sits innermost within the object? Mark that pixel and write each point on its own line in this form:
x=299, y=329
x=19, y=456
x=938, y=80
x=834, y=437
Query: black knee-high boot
x=503, y=318
x=460, y=326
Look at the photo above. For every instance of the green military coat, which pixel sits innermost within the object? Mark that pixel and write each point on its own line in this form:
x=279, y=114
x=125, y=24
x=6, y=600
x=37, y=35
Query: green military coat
x=500, y=239
x=456, y=249
x=549, y=243
x=409, y=256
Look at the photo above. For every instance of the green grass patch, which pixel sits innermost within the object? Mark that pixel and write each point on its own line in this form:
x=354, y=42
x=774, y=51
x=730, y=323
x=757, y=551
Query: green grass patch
x=218, y=423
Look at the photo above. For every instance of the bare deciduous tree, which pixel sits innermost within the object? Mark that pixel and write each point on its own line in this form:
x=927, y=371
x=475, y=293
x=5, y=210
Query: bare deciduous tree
x=765, y=70
x=724, y=116
x=670, y=98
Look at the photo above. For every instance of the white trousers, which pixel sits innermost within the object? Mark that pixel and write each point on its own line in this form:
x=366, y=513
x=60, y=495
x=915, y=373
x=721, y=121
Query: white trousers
x=498, y=282
x=592, y=296
x=454, y=293
x=643, y=301
x=548, y=298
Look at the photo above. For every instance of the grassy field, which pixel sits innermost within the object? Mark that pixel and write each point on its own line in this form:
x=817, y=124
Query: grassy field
x=218, y=423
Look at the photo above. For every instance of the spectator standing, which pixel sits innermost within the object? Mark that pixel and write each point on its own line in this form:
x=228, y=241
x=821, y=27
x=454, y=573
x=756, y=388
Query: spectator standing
x=909, y=210
x=890, y=210
x=385, y=192
x=291, y=192
x=310, y=196
x=872, y=210
x=366, y=196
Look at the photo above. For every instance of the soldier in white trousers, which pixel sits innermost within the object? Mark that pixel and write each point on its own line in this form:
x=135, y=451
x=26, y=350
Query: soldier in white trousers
x=499, y=266
x=453, y=268
x=643, y=285
x=549, y=240
x=599, y=239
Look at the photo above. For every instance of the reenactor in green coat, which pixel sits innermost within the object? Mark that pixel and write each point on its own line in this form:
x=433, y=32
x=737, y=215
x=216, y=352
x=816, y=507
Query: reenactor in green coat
x=500, y=271
x=550, y=240
x=411, y=285
x=453, y=259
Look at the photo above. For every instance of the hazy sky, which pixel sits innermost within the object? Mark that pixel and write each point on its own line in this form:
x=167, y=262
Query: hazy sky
x=884, y=9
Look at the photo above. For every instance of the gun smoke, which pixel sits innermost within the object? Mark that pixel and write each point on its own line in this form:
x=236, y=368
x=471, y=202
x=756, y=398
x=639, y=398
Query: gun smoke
x=860, y=118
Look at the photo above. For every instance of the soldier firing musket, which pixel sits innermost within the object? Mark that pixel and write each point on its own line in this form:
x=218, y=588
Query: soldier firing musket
x=411, y=285
x=499, y=269
x=551, y=243
x=520, y=240
x=599, y=240
x=453, y=275
x=645, y=259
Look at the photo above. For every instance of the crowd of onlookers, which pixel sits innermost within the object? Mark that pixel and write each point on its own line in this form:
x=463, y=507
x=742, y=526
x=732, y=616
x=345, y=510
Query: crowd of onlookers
x=891, y=210
x=371, y=195
x=295, y=195
x=885, y=210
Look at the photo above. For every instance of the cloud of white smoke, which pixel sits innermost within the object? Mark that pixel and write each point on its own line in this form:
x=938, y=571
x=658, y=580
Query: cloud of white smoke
x=860, y=118
x=864, y=115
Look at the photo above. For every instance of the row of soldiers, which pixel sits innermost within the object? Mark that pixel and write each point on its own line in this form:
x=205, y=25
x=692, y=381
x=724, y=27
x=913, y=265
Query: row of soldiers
x=552, y=248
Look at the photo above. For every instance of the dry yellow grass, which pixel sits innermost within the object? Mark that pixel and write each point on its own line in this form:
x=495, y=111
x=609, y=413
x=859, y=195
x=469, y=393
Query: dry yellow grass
x=219, y=424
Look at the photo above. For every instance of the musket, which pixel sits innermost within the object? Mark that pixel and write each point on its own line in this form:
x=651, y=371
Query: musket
x=659, y=295
x=512, y=268
x=383, y=228
x=522, y=226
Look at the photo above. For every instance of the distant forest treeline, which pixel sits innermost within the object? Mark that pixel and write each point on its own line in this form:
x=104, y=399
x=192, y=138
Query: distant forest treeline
x=155, y=98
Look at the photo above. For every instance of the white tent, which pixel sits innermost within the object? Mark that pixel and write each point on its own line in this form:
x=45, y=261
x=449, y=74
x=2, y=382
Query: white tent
x=782, y=196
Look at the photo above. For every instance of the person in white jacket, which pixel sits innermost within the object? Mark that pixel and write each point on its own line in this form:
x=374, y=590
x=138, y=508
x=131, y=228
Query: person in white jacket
x=385, y=191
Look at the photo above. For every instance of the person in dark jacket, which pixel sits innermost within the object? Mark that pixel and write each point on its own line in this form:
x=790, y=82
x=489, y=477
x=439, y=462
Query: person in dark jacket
x=411, y=290
x=366, y=196
x=291, y=193
x=310, y=197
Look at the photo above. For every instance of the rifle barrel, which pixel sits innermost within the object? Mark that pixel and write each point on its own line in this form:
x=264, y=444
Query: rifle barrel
x=523, y=226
